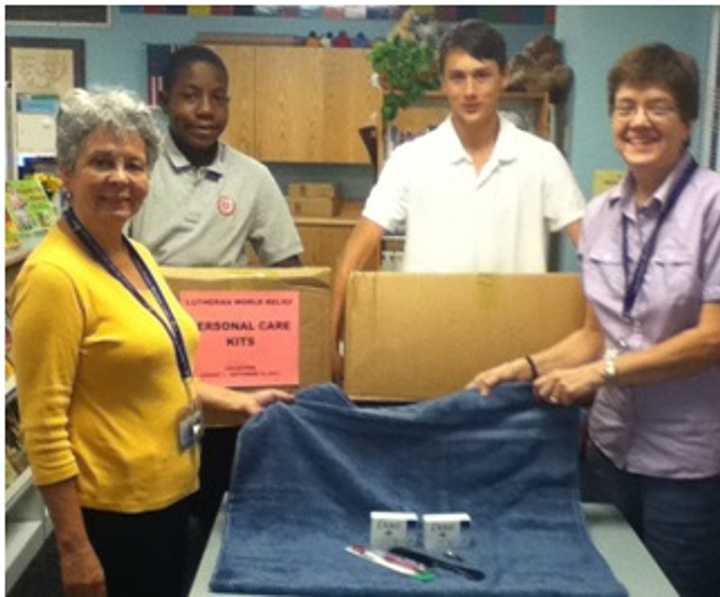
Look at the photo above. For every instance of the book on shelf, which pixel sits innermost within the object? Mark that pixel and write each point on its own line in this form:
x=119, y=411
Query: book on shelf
x=522, y=120
x=10, y=474
x=9, y=365
x=12, y=234
x=29, y=208
x=395, y=136
x=15, y=455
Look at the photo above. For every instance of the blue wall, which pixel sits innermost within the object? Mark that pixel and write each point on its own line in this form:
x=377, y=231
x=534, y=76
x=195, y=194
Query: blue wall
x=593, y=39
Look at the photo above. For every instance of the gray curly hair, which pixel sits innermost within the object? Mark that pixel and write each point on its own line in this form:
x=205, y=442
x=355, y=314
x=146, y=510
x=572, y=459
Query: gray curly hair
x=83, y=112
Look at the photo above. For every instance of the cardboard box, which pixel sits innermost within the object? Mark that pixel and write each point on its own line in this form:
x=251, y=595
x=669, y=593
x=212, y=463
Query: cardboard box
x=314, y=207
x=313, y=199
x=313, y=285
x=312, y=189
x=421, y=336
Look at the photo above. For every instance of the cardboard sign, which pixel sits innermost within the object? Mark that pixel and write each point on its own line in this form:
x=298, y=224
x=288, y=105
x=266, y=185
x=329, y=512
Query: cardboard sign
x=312, y=285
x=247, y=338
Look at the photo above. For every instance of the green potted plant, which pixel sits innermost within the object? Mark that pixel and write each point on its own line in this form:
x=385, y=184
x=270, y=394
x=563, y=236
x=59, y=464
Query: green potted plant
x=406, y=63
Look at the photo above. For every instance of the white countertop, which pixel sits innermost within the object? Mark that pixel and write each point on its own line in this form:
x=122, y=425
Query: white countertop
x=615, y=540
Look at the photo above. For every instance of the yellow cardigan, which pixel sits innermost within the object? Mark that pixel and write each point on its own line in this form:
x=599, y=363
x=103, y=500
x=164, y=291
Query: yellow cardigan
x=99, y=390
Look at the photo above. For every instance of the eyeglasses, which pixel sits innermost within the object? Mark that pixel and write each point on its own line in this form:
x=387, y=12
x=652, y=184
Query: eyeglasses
x=651, y=112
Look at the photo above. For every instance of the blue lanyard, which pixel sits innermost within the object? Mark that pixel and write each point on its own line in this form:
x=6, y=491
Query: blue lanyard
x=97, y=252
x=633, y=283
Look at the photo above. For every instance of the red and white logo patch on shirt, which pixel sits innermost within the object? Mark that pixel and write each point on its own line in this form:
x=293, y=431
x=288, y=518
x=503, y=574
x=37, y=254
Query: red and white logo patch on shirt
x=225, y=206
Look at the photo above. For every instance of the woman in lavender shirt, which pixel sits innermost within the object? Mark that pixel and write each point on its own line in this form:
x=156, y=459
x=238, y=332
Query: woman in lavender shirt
x=648, y=354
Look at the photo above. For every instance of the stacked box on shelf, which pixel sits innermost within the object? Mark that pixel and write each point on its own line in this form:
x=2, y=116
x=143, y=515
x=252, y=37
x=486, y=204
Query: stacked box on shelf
x=313, y=199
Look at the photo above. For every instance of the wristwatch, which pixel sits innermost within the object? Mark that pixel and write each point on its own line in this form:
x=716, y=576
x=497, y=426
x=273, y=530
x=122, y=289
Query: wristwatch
x=609, y=370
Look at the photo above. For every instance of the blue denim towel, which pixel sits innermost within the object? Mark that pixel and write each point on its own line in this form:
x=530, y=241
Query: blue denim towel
x=307, y=476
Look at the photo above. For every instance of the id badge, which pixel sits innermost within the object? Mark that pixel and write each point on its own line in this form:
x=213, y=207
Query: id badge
x=190, y=428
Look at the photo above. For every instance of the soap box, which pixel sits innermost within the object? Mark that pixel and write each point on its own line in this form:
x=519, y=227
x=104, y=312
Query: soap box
x=442, y=532
x=393, y=529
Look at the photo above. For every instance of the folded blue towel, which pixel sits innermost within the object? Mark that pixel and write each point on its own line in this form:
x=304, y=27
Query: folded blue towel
x=307, y=476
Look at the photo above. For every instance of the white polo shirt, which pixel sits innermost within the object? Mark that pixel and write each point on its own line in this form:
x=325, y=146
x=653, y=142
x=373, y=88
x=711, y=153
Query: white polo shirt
x=457, y=220
x=203, y=216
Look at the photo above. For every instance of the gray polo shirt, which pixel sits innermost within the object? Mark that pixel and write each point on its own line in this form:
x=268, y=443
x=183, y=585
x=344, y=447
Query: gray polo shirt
x=203, y=216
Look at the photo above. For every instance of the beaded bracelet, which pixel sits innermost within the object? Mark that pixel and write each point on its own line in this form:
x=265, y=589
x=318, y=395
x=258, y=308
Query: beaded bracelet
x=533, y=368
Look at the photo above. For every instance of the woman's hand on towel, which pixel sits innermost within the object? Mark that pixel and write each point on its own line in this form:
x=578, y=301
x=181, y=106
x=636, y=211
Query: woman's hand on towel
x=569, y=387
x=516, y=370
x=230, y=408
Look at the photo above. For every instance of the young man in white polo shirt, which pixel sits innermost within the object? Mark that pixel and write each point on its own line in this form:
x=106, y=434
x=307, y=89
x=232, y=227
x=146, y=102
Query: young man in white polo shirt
x=476, y=194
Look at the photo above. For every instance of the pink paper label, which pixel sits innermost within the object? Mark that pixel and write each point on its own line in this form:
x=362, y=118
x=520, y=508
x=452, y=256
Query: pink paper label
x=247, y=338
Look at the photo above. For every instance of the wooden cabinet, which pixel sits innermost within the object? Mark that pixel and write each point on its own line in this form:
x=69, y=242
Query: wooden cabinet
x=289, y=94
x=299, y=105
x=240, y=62
x=531, y=110
x=349, y=103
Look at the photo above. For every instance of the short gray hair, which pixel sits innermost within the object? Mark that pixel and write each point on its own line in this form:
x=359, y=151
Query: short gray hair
x=84, y=112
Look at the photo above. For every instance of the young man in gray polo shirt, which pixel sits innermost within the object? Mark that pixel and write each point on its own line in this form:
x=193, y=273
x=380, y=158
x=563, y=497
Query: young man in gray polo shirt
x=207, y=199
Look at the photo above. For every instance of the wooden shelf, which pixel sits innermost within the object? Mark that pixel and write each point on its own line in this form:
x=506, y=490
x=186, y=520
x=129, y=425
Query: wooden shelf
x=27, y=525
x=26, y=522
x=22, y=542
x=18, y=488
x=350, y=213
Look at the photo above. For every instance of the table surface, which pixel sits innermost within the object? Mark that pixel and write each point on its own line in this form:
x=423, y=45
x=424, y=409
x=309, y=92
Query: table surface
x=615, y=540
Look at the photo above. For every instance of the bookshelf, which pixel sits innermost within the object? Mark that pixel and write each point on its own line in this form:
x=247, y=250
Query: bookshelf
x=27, y=523
x=17, y=489
x=529, y=110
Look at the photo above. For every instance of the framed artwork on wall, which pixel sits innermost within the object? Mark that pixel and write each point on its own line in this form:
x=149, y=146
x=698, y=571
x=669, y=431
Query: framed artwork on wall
x=44, y=66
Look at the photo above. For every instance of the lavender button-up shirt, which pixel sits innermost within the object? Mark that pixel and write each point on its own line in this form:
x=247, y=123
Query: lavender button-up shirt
x=669, y=429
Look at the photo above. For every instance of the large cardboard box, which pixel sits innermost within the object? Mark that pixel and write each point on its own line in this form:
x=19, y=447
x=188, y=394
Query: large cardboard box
x=420, y=336
x=313, y=285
